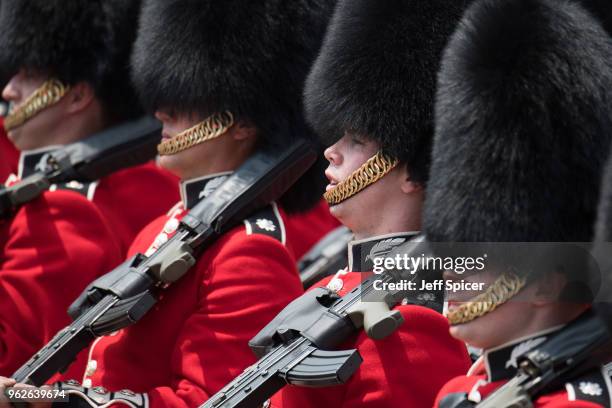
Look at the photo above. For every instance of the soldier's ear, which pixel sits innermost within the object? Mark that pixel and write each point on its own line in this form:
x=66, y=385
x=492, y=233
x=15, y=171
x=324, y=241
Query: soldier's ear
x=243, y=131
x=80, y=96
x=549, y=288
x=407, y=184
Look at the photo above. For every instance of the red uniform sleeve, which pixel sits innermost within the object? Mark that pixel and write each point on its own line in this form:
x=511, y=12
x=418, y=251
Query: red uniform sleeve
x=414, y=364
x=51, y=249
x=248, y=282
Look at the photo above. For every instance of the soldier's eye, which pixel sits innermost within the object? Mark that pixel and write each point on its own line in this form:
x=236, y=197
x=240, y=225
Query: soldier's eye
x=357, y=140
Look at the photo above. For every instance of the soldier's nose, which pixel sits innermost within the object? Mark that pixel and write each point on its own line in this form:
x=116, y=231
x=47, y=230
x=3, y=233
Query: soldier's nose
x=11, y=92
x=332, y=156
x=163, y=116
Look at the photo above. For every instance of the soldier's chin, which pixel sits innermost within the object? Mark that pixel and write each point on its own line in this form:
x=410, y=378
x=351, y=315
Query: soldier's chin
x=473, y=333
x=340, y=209
x=172, y=163
x=16, y=137
x=460, y=331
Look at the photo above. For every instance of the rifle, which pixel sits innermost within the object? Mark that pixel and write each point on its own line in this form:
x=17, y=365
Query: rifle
x=566, y=354
x=124, y=295
x=326, y=257
x=90, y=159
x=298, y=340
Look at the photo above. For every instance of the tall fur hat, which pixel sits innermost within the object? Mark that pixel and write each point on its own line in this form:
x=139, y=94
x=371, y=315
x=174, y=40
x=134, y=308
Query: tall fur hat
x=602, y=10
x=523, y=125
x=74, y=40
x=376, y=74
x=603, y=243
x=247, y=57
x=603, y=226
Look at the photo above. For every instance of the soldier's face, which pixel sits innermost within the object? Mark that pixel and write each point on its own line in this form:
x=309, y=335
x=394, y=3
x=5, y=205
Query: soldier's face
x=40, y=129
x=532, y=310
x=224, y=153
x=371, y=211
x=495, y=328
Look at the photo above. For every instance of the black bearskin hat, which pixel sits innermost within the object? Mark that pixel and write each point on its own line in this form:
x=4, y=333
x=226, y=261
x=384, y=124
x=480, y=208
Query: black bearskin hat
x=247, y=57
x=603, y=244
x=602, y=10
x=523, y=125
x=376, y=75
x=74, y=40
x=604, y=218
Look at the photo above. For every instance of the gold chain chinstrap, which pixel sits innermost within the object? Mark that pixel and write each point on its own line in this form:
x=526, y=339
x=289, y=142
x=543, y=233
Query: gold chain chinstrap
x=370, y=172
x=502, y=290
x=213, y=126
x=48, y=94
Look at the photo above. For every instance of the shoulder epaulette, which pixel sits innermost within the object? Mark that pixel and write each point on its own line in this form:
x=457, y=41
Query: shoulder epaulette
x=267, y=221
x=85, y=189
x=594, y=386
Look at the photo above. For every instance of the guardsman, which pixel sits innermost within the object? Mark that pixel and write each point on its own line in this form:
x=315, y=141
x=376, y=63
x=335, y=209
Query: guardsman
x=55, y=245
x=225, y=77
x=370, y=98
x=69, y=78
x=523, y=127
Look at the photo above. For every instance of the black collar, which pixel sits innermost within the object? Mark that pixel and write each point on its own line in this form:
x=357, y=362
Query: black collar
x=29, y=160
x=361, y=253
x=501, y=362
x=194, y=190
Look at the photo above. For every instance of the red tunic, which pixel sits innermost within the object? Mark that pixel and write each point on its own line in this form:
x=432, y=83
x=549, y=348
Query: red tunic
x=49, y=251
x=403, y=370
x=304, y=230
x=496, y=367
x=195, y=339
x=130, y=199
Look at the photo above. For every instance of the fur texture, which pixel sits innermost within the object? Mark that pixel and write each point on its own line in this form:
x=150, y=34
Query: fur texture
x=376, y=75
x=602, y=10
x=74, y=41
x=523, y=124
x=604, y=218
x=247, y=57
